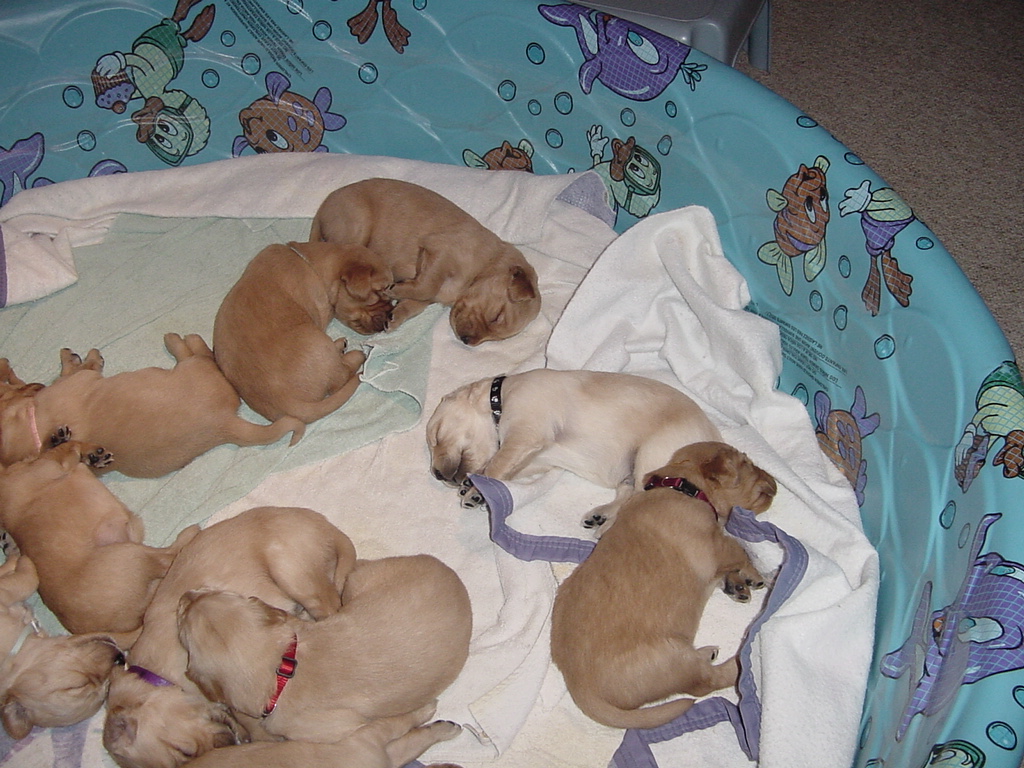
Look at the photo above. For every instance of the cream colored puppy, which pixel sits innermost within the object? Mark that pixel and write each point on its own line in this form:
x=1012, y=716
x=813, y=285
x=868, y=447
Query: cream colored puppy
x=438, y=253
x=389, y=742
x=624, y=622
x=291, y=558
x=608, y=428
x=269, y=337
x=45, y=681
x=95, y=573
x=400, y=638
x=152, y=421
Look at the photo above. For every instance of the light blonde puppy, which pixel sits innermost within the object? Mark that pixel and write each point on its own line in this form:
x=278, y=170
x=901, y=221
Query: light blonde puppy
x=389, y=742
x=438, y=253
x=608, y=428
x=400, y=638
x=289, y=557
x=152, y=421
x=269, y=337
x=95, y=573
x=48, y=682
x=624, y=622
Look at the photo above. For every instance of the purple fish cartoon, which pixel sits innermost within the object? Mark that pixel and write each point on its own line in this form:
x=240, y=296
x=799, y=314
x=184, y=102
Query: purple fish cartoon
x=841, y=433
x=627, y=58
x=979, y=634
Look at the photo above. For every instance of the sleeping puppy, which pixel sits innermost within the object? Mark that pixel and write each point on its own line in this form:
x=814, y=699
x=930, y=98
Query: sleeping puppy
x=45, y=681
x=623, y=623
x=95, y=573
x=608, y=428
x=269, y=337
x=289, y=557
x=437, y=253
x=400, y=638
x=152, y=421
x=389, y=742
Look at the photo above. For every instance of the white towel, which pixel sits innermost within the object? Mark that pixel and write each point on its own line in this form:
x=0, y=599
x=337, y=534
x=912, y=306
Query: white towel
x=664, y=301
x=40, y=226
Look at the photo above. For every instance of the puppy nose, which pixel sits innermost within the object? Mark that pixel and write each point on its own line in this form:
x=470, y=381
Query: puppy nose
x=438, y=475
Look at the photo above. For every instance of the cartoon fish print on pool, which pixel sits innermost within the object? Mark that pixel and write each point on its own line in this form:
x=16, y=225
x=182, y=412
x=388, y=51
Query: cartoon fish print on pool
x=801, y=218
x=883, y=215
x=632, y=176
x=363, y=23
x=955, y=754
x=283, y=121
x=999, y=413
x=23, y=159
x=503, y=158
x=18, y=163
x=841, y=434
x=170, y=122
x=979, y=634
x=627, y=58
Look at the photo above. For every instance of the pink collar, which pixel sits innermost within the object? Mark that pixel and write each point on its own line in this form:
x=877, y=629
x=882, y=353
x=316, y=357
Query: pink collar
x=285, y=672
x=680, y=484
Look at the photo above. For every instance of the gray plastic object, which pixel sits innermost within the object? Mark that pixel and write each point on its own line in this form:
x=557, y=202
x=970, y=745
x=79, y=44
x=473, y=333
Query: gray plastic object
x=719, y=28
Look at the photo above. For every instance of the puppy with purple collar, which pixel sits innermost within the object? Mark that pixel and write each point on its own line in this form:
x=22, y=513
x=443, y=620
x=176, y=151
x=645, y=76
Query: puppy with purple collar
x=624, y=622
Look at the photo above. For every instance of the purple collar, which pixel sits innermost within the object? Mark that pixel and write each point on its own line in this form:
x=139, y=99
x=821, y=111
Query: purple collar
x=150, y=677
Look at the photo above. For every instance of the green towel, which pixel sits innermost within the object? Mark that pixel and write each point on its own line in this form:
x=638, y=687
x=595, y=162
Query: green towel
x=152, y=275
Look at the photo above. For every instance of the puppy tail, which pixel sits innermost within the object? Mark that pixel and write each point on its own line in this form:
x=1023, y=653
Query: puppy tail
x=311, y=411
x=245, y=433
x=643, y=717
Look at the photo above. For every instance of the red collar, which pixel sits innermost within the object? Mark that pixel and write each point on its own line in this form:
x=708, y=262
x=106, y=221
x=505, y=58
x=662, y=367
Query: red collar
x=680, y=484
x=285, y=672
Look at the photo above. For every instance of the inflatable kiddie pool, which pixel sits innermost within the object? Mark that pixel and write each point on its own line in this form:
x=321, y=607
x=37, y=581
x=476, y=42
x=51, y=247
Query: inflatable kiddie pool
x=911, y=387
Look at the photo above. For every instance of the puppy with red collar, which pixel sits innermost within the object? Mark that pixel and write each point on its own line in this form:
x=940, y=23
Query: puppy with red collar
x=624, y=622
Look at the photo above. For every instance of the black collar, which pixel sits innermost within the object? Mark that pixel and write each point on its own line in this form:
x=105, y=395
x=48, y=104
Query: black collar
x=495, y=399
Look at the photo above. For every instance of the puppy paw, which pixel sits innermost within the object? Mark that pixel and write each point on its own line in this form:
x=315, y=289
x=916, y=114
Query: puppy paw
x=709, y=653
x=739, y=584
x=594, y=520
x=98, y=458
x=60, y=436
x=8, y=546
x=469, y=496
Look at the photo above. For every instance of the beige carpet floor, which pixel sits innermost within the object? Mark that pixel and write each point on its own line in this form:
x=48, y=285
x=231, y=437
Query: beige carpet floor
x=930, y=94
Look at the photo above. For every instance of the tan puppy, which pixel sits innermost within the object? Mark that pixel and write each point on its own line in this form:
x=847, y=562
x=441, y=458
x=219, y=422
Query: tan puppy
x=608, y=428
x=95, y=573
x=400, y=638
x=291, y=558
x=153, y=421
x=45, y=681
x=438, y=253
x=389, y=742
x=624, y=621
x=270, y=337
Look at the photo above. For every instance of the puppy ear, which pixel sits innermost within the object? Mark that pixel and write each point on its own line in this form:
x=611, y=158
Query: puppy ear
x=521, y=286
x=362, y=281
x=15, y=718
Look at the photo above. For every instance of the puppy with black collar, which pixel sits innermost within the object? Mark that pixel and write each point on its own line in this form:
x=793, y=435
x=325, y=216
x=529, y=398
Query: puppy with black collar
x=624, y=622
x=608, y=428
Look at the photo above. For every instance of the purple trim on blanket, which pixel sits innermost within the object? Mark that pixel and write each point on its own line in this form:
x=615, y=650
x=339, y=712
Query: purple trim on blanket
x=555, y=549
x=3, y=270
x=745, y=716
